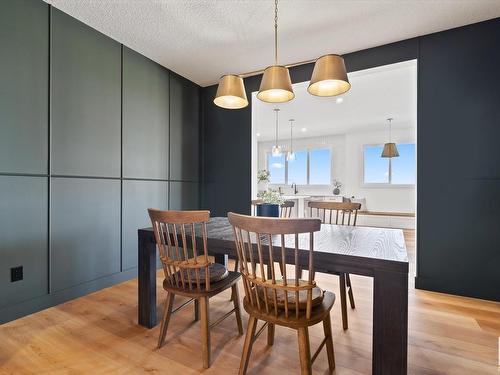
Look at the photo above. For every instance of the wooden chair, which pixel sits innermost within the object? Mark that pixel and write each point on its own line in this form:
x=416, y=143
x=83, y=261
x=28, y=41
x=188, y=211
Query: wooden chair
x=189, y=273
x=286, y=301
x=339, y=213
x=286, y=208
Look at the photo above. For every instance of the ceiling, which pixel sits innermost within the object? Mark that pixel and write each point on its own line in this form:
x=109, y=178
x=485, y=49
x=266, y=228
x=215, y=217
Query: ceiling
x=375, y=95
x=203, y=39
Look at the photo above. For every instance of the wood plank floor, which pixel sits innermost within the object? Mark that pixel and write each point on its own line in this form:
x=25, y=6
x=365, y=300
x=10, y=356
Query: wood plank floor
x=98, y=334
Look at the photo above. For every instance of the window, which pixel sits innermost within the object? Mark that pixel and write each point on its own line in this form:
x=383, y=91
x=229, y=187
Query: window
x=320, y=167
x=297, y=169
x=396, y=171
x=310, y=167
x=276, y=166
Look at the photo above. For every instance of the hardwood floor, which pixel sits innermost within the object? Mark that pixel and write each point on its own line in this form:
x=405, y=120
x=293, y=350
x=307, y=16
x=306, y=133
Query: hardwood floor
x=98, y=334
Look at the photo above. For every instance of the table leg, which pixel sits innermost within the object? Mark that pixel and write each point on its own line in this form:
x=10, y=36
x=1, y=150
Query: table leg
x=221, y=259
x=390, y=323
x=147, y=282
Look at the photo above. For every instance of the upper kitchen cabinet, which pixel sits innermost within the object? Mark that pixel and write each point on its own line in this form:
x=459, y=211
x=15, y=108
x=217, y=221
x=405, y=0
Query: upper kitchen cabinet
x=184, y=129
x=145, y=117
x=85, y=100
x=24, y=37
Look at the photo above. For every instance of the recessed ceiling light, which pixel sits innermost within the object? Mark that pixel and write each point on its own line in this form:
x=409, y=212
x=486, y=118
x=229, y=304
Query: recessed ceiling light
x=340, y=100
x=258, y=134
x=303, y=130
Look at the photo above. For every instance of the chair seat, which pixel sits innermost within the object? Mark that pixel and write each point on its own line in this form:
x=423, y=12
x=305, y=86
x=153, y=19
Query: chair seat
x=215, y=287
x=317, y=297
x=318, y=313
x=217, y=273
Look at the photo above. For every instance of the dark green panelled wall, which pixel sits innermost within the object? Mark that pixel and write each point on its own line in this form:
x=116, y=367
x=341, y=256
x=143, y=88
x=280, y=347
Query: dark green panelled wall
x=91, y=134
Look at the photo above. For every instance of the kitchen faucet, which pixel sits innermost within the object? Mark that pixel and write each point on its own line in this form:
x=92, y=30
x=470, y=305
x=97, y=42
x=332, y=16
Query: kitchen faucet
x=294, y=187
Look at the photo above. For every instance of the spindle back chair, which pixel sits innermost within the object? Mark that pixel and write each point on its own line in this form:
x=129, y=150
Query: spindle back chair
x=340, y=208
x=287, y=300
x=286, y=208
x=188, y=270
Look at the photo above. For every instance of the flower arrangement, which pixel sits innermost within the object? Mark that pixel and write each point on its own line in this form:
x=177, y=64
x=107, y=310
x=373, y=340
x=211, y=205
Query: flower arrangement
x=263, y=175
x=271, y=197
x=337, y=184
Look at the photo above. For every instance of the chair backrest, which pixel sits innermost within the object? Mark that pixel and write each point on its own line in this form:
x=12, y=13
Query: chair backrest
x=335, y=212
x=261, y=241
x=255, y=202
x=286, y=208
x=179, y=256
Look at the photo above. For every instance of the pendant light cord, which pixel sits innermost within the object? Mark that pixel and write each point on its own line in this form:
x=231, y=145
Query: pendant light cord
x=291, y=136
x=275, y=32
x=390, y=129
x=276, y=110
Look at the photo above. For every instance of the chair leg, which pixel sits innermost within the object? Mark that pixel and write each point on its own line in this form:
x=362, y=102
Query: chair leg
x=247, y=347
x=327, y=328
x=196, y=310
x=205, y=332
x=237, y=310
x=349, y=291
x=270, y=334
x=236, y=264
x=304, y=351
x=169, y=303
x=343, y=302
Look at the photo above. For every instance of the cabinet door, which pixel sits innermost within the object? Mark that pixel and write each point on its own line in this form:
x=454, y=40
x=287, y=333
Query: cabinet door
x=145, y=117
x=24, y=37
x=184, y=129
x=138, y=196
x=184, y=196
x=85, y=102
x=23, y=237
x=85, y=230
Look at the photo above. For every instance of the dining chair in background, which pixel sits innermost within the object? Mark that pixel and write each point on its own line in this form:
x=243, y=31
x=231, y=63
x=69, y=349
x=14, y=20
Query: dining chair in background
x=188, y=271
x=287, y=301
x=286, y=208
x=339, y=213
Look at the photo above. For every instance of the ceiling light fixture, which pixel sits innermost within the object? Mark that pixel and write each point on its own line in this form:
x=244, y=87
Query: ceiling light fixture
x=276, y=151
x=290, y=155
x=231, y=92
x=390, y=150
x=329, y=77
x=276, y=85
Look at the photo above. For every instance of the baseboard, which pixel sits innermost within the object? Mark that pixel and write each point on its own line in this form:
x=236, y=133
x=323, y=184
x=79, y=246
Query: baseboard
x=41, y=303
x=443, y=286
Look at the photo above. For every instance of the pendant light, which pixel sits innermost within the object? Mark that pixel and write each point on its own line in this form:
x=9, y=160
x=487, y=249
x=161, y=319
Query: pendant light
x=276, y=151
x=276, y=85
x=231, y=92
x=329, y=76
x=390, y=150
x=290, y=156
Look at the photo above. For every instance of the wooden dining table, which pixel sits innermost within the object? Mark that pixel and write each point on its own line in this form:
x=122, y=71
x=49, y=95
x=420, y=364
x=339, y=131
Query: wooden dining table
x=374, y=252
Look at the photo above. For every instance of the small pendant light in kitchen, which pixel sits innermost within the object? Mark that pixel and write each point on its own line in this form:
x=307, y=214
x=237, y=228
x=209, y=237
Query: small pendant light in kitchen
x=290, y=155
x=276, y=150
x=390, y=150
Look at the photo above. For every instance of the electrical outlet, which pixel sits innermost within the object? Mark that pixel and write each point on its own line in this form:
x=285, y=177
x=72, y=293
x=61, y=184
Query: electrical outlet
x=16, y=274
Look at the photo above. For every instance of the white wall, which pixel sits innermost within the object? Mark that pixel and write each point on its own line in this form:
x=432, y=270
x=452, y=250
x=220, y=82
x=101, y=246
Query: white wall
x=347, y=167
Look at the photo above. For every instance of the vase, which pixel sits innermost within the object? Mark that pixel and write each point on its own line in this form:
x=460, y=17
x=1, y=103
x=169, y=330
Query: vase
x=268, y=210
x=336, y=191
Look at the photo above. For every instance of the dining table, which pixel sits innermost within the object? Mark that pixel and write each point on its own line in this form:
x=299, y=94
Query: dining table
x=379, y=253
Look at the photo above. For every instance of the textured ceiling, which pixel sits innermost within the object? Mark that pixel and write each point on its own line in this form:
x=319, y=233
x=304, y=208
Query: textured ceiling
x=376, y=94
x=203, y=39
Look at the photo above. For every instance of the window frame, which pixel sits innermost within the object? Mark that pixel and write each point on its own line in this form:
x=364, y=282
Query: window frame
x=385, y=184
x=308, y=167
